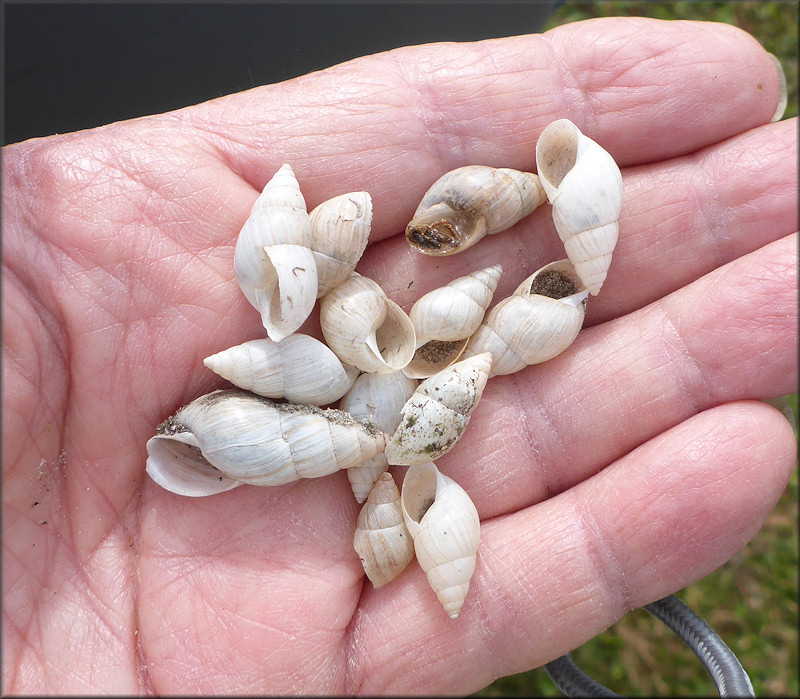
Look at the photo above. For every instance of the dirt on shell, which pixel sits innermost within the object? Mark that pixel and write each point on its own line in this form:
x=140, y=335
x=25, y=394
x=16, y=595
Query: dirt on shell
x=553, y=284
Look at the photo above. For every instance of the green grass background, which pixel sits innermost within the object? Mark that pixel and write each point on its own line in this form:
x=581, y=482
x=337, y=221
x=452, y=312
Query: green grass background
x=752, y=600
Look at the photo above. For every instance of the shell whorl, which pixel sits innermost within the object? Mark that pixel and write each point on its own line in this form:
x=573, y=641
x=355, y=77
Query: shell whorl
x=340, y=231
x=438, y=412
x=273, y=261
x=584, y=186
x=445, y=318
x=380, y=397
x=381, y=539
x=445, y=526
x=468, y=203
x=536, y=323
x=253, y=440
x=365, y=328
x=299, y=368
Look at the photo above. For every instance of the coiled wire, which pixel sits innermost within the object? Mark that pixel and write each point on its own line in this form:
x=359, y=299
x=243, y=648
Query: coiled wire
x=723, y=666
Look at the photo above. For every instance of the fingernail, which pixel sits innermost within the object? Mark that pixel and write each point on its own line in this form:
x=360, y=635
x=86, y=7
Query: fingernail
x=782, y=404
x=781, y=108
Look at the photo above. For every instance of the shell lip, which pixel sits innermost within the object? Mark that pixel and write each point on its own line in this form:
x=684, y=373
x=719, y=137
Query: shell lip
x=556, y=154
x=175, y=462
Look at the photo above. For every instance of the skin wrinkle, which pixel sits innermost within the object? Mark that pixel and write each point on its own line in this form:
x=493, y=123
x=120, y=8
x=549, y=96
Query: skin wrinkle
x=34, y=378
x=603, y=560
x=568, y=84
x=350, y=639
x=433, y=124
x=486, y=575
x=542, y=417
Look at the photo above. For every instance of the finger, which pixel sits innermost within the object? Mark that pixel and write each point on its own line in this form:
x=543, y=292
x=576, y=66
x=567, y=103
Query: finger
x=552, y=576
x=394, y=122
x=731, y=335
x=680, y=220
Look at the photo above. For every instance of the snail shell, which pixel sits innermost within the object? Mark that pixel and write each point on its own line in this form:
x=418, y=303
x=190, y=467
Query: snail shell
x=340, y=232
x=273, y=261
x=382, y=540
x=445, y=318
x=438, y=412
x=299, y=368
x=584, y=185
x=249, y=439
x=445, y=526
x=537, y=322
x=380, y=397
x=467, y=203
x=364, y=328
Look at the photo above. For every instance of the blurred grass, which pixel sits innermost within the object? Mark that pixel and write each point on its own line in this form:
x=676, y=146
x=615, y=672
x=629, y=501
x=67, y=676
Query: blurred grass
x=751, y=601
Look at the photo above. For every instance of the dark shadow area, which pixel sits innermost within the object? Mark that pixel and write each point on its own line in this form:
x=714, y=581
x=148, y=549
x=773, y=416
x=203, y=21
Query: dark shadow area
x=76, y=66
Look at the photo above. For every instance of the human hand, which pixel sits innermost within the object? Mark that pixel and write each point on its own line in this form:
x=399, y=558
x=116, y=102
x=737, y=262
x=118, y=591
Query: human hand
x=629, y=466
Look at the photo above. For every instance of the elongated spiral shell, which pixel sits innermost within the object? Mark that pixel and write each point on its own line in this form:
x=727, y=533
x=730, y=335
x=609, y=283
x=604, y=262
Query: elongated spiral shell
x=446, y=529
x=339, y=234
x=380, y=397
x=365, y=328
x=299, y=368
x=537, y=322
x=273, y=261
x=584, y=186
x=382, y=540
x=438, y=412
x=245, y=438
x=445, y=318
x=468, y=203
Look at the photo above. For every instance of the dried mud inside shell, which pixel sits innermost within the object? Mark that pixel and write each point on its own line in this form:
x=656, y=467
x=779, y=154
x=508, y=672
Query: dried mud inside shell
x=433, y=237
x=423, y=508
x=553, y=284
x=436, y=351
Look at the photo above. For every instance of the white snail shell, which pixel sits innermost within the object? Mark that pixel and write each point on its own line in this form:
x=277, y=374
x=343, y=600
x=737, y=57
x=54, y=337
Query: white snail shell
x=380, y=397
x=339, y=234
x=299, y=368
x=467, y=203
x=365, y=328
x=445, y=318
x=274, y=264
x=381, y=540
x=445, y=526
x=250, y=439
x=537, y=322
x=438, y=412
x=584, y=185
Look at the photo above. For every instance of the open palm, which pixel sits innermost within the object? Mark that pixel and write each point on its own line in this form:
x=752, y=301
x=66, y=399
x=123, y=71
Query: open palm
x=627, y=467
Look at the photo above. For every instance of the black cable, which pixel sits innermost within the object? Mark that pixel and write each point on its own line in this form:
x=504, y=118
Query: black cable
x=723, y=666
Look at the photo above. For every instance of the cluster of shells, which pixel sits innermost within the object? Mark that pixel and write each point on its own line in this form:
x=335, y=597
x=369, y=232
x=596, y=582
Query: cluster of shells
x=407, y=383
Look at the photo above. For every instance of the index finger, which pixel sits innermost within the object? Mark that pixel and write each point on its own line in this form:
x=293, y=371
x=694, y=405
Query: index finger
x=393, y=122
